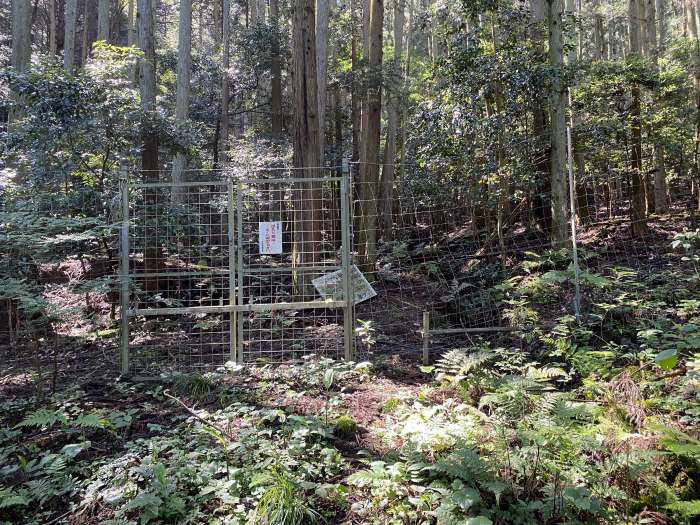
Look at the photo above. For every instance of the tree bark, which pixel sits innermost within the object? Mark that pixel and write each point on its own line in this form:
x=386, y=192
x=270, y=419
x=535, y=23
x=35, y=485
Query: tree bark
x=276, y=72
x=559, y=186
x=322, y=14
x=21, y=46
x=52, y=27
x=355, y=111
x=660, y=187
x=225, y=87
x=103, y=20
x=147, y=85
x=131, y=21
x=307, y=234
x=388, y=170
x=69, y=35
x=369, y=170
x=637, y=204
x=184, y=66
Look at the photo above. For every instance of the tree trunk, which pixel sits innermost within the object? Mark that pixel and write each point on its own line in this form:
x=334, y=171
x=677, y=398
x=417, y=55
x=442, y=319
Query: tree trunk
x=21, y=45
x=322, y=13
x=355, y=112
x=637, y=205
x=147, y=84
x=103, y=20
x=131, y=21
x=660, y=188
x=69, y=35
x=276, y=72
x=225, y=88
x=52, y=27
x=559, y=233
x=394, y=95
x=307, y=234
x=540, y=201
x=184, y=66
x=369, y=170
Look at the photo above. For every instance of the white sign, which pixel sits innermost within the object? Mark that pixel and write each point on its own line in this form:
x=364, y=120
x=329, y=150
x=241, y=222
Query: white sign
x=330, y=286
x=270, y=237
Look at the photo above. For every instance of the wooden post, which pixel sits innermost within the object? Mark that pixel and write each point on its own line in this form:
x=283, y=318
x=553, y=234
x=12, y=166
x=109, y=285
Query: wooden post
x=124, y=275
x=426, y=338
x=233, y=314
x=346, y=265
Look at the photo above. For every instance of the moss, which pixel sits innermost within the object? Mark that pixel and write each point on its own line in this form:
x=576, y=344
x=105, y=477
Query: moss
x=345, y=427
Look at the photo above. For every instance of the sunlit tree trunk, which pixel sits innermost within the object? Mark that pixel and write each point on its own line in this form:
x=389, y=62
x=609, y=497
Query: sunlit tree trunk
x=393, y=101
x=369, y=170
x=184, y=66
x=69, y=35
x=638, y=207
x=147, y=85
x=355, y=111
x=21, y=44
x=558, y=175
x=103, y=20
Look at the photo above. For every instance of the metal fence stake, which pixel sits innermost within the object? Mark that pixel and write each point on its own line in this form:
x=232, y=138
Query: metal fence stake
x=124, y=274
x=426, y=338
x=346, y=265
x=572, y=201
x=233, y=315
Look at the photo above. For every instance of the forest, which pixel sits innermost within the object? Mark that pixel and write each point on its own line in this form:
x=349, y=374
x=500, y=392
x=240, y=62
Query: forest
x=299, y=262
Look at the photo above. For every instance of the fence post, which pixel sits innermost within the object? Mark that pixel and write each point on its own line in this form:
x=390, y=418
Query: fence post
x=233, y=314
x=426, y=338
x=572, y=202
x=124, y=274
x=239, y=265
x=346, y=265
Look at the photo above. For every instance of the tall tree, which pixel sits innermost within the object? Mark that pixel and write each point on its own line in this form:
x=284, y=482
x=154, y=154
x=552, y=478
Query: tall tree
x=69, y=35
x=322, y=15
x=275, y=71
x=131, y=23
x=638, y=204
x=225, y=88
x=103, y=20
x=369, y=169
x=21, y=41
x=695, y=61
x=307, y=233
x=393, y=102
x=558, y=177
x=147, y=86
x=184, y=66
x=660, y=187
x=52, y=27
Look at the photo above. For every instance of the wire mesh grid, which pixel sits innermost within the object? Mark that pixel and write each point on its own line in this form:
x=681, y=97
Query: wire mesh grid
x=289, y=231
x=179, y=268
x=196, y=252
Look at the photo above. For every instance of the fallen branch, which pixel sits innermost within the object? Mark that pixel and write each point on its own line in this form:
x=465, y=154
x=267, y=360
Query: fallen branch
x=200, y=418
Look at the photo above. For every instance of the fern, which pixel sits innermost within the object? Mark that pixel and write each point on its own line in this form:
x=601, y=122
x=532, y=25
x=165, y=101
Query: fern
x=459, y=364
x=464, y=464
x=43, y=418
x=687, y=509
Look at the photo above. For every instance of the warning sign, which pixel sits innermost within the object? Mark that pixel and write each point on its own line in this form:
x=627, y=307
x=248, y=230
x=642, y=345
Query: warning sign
x=330, y=286
x=270, y=238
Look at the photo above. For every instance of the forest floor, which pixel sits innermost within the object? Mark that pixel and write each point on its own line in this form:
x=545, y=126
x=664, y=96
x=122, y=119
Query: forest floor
x=566, y=423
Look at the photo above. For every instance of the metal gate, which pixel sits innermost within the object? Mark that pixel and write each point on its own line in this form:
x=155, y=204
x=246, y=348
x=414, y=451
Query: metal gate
x=237, y=270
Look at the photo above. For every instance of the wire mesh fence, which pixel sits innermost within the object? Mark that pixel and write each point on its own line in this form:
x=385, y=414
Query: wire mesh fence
x=444, y=246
